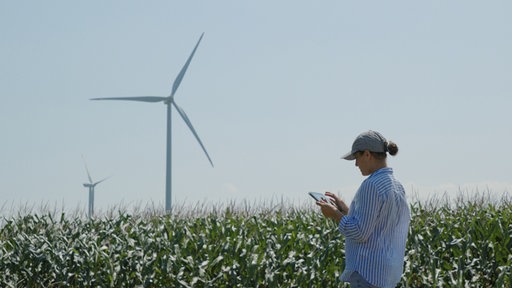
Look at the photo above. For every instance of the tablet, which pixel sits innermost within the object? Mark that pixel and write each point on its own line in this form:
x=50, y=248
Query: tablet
x=318, y=196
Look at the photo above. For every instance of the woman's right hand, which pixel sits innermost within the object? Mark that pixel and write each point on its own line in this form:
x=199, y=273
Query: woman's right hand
x=340, y=204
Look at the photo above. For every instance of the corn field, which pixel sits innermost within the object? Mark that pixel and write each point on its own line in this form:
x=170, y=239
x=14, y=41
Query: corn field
x=467, y=244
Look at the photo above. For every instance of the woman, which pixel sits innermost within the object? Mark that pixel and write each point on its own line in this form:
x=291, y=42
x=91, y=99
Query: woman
x=376, y=224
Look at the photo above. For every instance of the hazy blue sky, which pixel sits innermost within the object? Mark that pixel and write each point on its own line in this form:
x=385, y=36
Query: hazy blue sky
x=277, y=91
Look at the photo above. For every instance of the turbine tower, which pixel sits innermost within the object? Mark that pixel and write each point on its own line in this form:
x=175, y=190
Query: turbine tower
x=91, y=186
x=169, y=101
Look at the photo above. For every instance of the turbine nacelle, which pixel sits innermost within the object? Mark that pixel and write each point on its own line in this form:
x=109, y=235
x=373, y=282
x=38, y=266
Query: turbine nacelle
x=169, y=100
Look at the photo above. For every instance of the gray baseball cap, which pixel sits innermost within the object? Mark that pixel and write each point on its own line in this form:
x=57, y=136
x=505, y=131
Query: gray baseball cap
x=371, y=140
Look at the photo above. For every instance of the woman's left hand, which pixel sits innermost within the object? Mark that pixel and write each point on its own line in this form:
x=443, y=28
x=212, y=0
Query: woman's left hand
x=330, y=211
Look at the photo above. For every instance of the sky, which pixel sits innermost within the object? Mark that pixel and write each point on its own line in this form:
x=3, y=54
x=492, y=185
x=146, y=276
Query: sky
x=277, y=91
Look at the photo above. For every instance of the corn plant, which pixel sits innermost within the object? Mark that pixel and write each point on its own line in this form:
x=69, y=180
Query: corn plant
x=463, y=245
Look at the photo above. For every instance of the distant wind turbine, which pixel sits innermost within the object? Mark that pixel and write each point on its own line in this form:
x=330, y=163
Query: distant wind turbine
x=91, y=186
x=170, y=101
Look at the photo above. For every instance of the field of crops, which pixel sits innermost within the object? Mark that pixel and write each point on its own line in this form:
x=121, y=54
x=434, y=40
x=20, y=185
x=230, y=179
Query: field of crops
x=467, y=244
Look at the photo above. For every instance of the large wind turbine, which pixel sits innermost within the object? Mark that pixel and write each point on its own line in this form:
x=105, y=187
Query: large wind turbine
x=91, y=186
x=170, y=101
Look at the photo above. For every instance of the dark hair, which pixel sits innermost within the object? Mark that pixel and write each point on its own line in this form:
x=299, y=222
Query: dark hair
x=391, y=148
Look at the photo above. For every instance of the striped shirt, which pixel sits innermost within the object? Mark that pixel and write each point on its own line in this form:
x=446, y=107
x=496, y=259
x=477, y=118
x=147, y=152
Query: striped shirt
x=375, y=230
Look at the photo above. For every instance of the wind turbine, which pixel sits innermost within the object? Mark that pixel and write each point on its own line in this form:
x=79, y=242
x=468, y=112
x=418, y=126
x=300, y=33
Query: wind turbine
x=169, y=101
x=91, y=186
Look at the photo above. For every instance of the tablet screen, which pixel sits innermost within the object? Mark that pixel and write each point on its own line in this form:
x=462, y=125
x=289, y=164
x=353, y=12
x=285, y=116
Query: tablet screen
x=318, y=196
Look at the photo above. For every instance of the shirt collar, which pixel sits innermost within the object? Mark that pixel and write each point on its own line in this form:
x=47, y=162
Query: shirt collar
x=384, y=170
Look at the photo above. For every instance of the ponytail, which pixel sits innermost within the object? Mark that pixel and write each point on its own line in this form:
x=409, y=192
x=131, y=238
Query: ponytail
x=392, y=148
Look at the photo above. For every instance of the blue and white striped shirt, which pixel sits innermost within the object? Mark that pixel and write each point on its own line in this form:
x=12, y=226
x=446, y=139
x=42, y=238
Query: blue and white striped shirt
x=376, y=230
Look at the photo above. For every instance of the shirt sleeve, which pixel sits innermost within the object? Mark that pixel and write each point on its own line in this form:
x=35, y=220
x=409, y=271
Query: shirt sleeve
x=360, y=222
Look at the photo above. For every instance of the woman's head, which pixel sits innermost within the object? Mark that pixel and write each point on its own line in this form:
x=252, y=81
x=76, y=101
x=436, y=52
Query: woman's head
x=370, y=151
x=373, y=142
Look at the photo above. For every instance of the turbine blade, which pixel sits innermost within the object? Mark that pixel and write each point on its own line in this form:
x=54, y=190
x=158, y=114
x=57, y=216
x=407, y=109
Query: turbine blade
x=136, y=98
x=99, y=181
x=86, y=169
x=178, y=79
x=189, y=124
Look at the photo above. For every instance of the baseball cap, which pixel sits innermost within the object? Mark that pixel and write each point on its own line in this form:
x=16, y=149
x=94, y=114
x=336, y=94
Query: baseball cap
x=370, y=140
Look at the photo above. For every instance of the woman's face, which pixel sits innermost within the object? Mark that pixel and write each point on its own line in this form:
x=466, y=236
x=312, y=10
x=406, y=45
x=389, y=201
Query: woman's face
x=363, y=162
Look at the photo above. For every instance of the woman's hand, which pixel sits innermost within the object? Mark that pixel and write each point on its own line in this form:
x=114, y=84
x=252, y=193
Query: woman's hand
x=340, y=204
x=330, y=211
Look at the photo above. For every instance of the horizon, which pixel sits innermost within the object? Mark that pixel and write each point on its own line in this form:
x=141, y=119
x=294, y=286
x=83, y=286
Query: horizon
x=201, y=208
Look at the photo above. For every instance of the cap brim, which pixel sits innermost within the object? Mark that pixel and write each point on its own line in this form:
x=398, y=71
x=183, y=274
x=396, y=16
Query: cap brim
x=349, y=156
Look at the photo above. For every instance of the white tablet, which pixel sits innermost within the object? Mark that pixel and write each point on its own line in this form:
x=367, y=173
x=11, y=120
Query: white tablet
x=318, y=196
